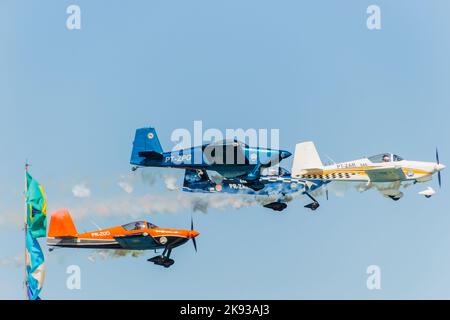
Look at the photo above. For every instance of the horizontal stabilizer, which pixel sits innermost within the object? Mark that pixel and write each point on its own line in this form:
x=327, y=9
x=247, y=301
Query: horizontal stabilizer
x=151, y=155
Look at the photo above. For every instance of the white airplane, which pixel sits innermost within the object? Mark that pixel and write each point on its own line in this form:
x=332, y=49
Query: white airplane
x=386, y=172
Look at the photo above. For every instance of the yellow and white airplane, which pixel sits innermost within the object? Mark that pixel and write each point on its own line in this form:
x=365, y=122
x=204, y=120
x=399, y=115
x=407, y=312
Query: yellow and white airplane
x=386, y=172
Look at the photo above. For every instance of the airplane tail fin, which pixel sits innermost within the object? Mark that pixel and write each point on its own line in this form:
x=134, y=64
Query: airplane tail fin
x=146, y=146
x=61, y=225
x=306, y=158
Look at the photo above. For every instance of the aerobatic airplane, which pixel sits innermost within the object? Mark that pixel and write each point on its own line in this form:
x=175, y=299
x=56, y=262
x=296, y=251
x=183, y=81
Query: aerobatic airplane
x=139, y=235
x=229, y=158
x=279, y=187
x=386, y=172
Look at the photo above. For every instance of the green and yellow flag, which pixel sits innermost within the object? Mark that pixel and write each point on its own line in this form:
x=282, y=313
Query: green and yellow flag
x=36, y=208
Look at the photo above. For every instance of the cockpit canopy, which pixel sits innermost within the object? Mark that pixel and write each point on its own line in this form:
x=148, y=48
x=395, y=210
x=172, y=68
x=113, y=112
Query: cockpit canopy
x=385, y=157
x=139, y=225
x=228, y=143
x=226, y=152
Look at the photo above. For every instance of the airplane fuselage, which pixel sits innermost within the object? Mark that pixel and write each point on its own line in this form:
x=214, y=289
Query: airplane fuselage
x=229, y=166
x=359, y=171
x=119, y=238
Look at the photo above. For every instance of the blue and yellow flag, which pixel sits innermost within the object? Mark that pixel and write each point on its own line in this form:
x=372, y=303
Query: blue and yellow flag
x=36, y=227
x=36, y=208
x=35, y=267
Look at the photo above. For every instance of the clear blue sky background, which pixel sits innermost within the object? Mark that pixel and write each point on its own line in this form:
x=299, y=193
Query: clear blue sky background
x=71, y=100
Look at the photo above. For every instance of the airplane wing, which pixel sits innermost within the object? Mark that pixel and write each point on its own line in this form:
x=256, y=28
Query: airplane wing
x=139, y=241
x=387, y=189
x=386, y=174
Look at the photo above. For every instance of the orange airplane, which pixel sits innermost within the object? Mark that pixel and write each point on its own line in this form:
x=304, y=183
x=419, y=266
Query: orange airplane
x=139, y=235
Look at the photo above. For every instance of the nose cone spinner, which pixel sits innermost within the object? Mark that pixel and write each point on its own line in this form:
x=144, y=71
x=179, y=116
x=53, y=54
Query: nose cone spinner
x=284, y=154
x=440, y=167
x=193, y=234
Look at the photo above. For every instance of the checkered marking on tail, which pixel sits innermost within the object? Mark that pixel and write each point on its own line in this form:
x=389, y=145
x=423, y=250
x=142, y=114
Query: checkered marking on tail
x=329, y=176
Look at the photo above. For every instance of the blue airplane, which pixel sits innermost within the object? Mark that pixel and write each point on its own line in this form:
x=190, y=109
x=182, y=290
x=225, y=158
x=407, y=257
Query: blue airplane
x=229, y=158
x=278, y=188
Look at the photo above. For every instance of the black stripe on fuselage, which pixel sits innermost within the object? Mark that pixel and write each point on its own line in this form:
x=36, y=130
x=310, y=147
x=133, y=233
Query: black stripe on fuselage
x=90, y=246
x=84, y=243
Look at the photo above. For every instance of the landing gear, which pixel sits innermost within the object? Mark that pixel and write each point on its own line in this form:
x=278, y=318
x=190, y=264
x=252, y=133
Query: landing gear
x=394, y=198
x=277, y=206
x=313, y=205
x=163, y=260
x=256, y=186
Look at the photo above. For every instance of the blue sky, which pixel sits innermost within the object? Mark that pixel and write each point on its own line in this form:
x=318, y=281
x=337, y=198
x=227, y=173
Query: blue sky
x=71, y=100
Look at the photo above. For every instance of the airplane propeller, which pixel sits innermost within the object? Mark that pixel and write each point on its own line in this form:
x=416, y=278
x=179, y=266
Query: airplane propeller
x=193, y=239
x=439, y=172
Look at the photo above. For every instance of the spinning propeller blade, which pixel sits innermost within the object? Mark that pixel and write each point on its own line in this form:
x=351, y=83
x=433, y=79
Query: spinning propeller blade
x=193, y=239
x=439, y=179
x=439, y=172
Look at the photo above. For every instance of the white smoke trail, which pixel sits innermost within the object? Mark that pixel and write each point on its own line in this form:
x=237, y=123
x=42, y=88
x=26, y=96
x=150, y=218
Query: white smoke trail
x=125, y=186
x=81, y=191
x=108, y=254
x=136, y=206
x=337, y=188
x=150, y=177
x=170, y=182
